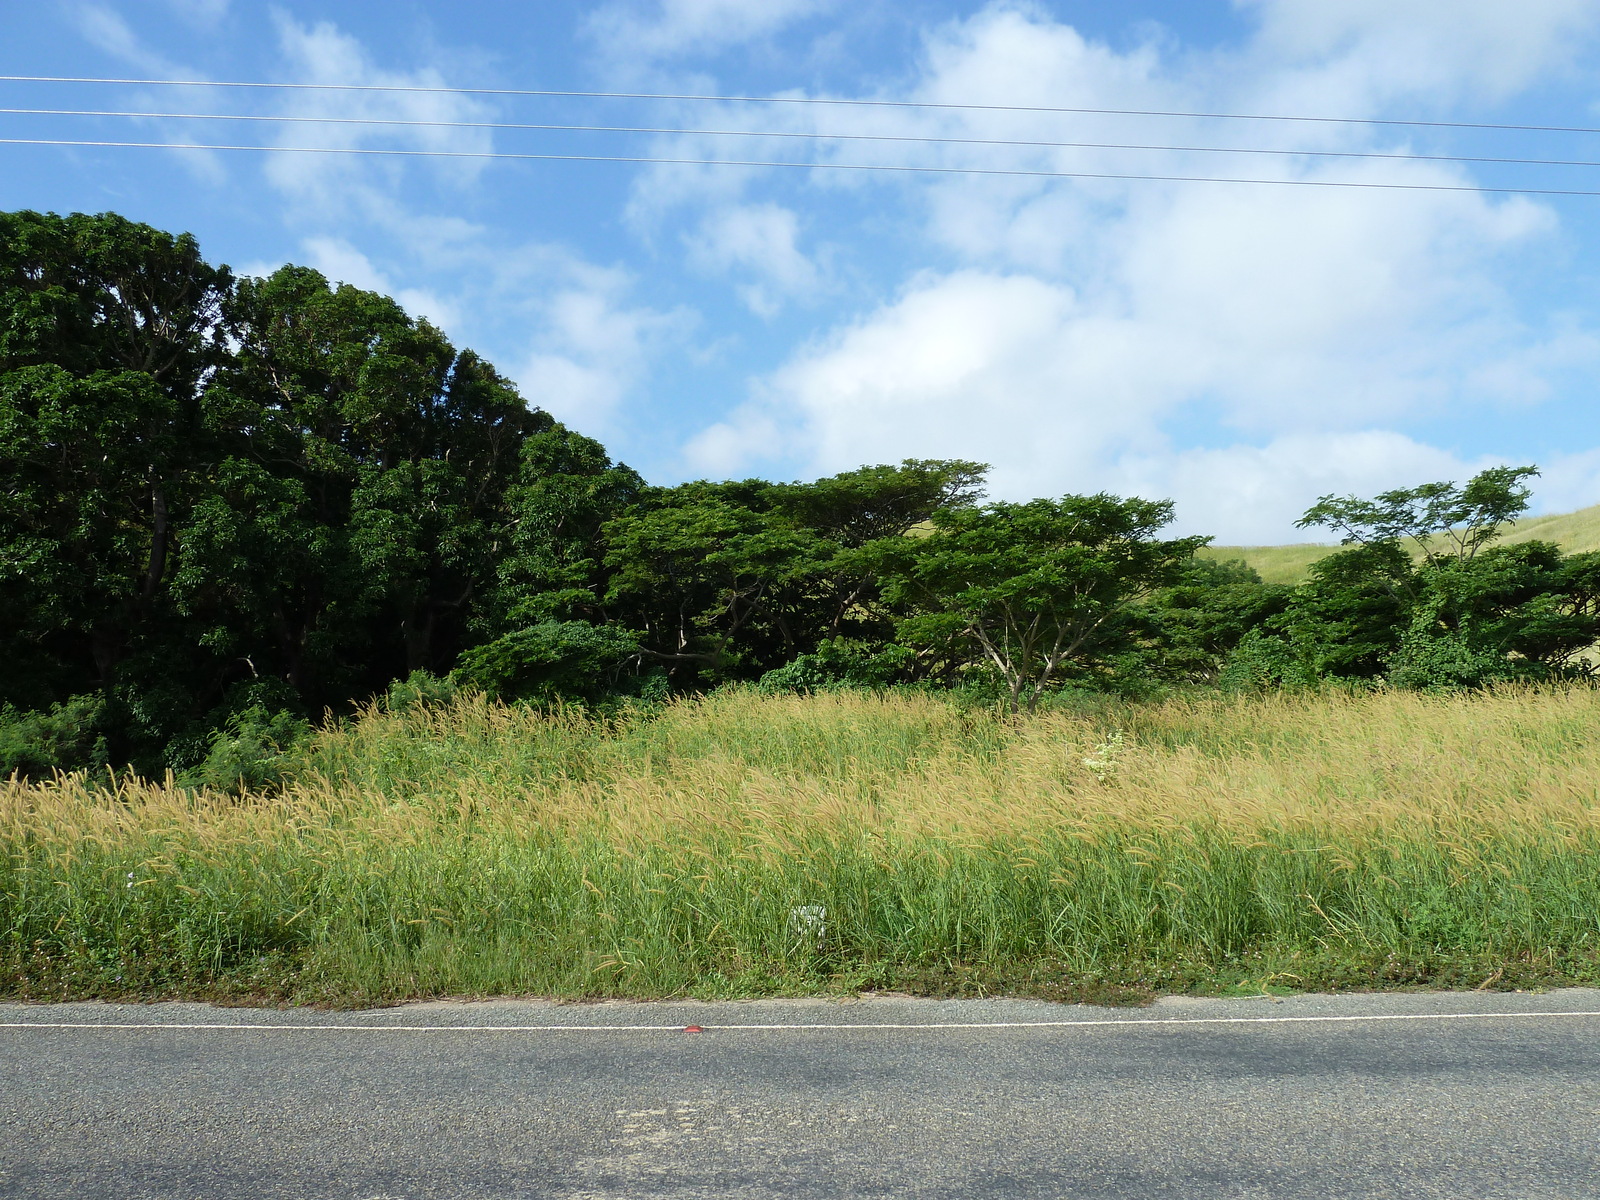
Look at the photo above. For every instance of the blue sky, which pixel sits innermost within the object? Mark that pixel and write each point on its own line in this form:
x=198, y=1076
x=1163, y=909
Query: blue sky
x=1238, y=348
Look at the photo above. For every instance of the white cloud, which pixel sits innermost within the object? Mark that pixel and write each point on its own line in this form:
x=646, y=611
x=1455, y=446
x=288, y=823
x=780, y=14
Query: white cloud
x=107, y=31
x=640, y=31
x=758, y=242
x=1277, y=319
x=1568, y=481
x=960, y=366
x=343, y=263
x=1441, y=51
x=1255, y=493
x=333, y=183
x=590, y=347
x=564, y=328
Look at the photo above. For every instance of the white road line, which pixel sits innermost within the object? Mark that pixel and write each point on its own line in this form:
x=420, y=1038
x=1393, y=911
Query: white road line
x=1109, y=1022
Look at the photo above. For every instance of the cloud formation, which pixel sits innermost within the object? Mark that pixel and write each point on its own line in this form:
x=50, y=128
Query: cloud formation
x=323, y=53
x=759, y=244
x=1243, y=348
x=201, y=14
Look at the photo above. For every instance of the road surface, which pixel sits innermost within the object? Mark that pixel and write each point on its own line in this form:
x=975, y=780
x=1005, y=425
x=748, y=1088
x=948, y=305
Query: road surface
x=1452, y=1096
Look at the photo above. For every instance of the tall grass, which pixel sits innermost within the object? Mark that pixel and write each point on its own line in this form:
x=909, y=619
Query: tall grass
x=1313, y=840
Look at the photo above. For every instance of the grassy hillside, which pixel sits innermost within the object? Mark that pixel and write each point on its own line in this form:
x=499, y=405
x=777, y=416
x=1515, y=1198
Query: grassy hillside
x=744, y=844
x=1573, y=532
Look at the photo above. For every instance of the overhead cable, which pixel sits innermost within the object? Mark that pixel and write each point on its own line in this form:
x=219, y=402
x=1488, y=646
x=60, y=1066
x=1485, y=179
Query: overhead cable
x=793, y=134
x=708, y=98
x=807, y=166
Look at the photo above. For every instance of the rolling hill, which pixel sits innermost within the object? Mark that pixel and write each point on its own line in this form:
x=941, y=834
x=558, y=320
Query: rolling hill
x=1573, y=532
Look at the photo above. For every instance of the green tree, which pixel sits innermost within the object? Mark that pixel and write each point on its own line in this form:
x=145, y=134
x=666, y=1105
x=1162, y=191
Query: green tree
x=358, y=516
x=550, y=660
x=711, y=583
x=1424, y=598
x=1441, y=520
x=1347, y=619
x=1201, y=619
x=1034, y=590
x=861, y=506
x=273, y=494
x=552, y=559
x=1523, y=611
x=732, y=580
x=109, y=332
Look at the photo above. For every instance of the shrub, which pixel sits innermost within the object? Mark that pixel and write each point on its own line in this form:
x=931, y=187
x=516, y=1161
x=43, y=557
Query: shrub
x=420, y=689
x=1430, y=660
x=66, y=737
x=839, y=662
x=1263, y=661
x=256, y=751
x=550, y=660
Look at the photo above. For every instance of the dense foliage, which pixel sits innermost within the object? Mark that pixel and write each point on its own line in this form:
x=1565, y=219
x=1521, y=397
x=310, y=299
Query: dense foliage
x=233, y=504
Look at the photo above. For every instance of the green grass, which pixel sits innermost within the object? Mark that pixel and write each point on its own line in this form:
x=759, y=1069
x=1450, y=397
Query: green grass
x=1275, y=564
x=1574, y=532
x=1286, y=841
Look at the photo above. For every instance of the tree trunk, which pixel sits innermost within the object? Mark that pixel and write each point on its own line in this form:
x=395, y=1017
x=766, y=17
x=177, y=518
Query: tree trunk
x=159, y=537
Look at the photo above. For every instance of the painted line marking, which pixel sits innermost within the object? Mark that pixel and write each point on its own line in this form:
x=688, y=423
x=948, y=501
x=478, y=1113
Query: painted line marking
x=1105, y=1023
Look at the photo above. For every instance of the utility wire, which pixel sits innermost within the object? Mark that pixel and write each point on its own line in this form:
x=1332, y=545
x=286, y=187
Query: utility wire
x=553, y=93
x=852, y=137
x=806, y=166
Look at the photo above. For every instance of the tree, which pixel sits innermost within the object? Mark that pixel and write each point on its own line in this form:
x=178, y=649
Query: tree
x=1442, y=520
x=710, y=582
x=550, y=660
x=1522, y=611
x=273, y=492
x=109, y=334
x=551, y=565
x=731, y=580
x=1347, y=619
x=860, y=506
x=358, y=512
x=1032, y=589
x=1204, y=616
x=1461, y=612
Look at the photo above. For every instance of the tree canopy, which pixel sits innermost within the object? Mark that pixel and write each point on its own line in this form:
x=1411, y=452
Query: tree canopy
x=1036, y=589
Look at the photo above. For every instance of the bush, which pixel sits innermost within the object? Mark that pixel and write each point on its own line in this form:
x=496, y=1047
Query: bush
x=839, y=662
x=420, y=689
x=257, y=751
x=67, y=737
x=552, y=660
x=1430, y=661
x=192, y=745
x=1263, y=661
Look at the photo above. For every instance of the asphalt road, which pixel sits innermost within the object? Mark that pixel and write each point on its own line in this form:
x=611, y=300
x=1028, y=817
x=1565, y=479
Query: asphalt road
x=1468, y=1096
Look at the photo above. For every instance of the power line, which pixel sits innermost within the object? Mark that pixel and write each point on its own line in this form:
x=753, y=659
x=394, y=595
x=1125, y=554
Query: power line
x=929, y=104
x=807, y=166
x=779, y=133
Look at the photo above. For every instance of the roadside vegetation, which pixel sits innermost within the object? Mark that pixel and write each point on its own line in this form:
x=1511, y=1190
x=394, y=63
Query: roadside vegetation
x=746, y=844
x=333, y=669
